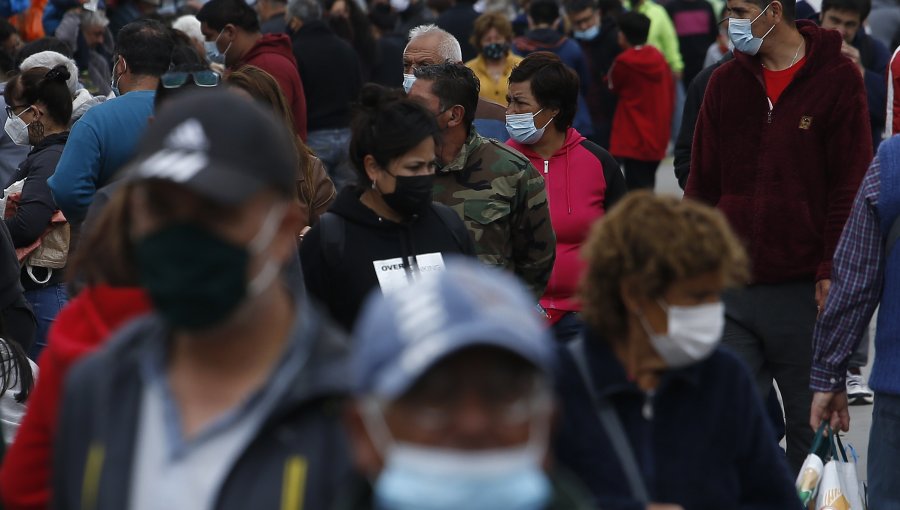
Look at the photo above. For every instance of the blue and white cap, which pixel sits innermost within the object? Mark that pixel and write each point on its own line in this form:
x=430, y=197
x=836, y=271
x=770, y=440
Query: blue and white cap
x=399, y=337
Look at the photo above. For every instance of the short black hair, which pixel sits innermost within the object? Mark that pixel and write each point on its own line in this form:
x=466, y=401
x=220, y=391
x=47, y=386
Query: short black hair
x=635, y=27
x=576, y=6
x=544, y=11
x=43, y=44
x=789, y=7
x=45, y=86
x=553, y=84
x=861, y=7
x=453, y=84
x=218, y=13
x=146, y=45
x=386, y=126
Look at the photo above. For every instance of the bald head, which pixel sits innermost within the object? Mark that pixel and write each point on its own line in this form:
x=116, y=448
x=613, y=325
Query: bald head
x=429, y=45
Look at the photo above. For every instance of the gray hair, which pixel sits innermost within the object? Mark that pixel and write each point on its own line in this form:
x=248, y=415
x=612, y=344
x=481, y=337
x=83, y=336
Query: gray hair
x=305, y=10
x=51, y=59
x=448, y=47
x=94, y=19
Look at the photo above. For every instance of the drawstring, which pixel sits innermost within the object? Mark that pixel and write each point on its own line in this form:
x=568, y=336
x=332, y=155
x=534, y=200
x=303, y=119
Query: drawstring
x=568, y=182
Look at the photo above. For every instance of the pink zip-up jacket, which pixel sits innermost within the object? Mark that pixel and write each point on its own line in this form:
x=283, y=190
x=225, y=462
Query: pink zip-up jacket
x=582, y=181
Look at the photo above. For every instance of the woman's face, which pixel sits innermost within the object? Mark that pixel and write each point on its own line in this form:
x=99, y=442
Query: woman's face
x=492, y=36
x=521, y=100
x=700, y=290
x=418, y=161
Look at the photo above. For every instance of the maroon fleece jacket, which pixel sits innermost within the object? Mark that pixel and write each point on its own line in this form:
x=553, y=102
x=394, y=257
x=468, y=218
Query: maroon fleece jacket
x=785, y=178
x=274, y=54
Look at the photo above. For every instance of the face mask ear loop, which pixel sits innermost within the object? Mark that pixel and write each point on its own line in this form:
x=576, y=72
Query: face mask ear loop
x=376, y=426
x=260, y=242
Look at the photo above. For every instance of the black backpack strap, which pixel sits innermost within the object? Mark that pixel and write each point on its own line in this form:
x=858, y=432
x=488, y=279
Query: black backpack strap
x=452, y=221
x=332, y=228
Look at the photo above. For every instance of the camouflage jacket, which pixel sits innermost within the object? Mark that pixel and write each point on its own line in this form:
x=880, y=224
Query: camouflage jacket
x=501, y=198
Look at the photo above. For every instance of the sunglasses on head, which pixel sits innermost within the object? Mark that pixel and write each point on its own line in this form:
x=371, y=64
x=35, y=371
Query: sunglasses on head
x=176, y=79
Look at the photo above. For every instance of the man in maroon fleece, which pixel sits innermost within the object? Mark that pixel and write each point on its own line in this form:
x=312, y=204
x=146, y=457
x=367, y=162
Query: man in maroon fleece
x=234, y=28
x=781, y=145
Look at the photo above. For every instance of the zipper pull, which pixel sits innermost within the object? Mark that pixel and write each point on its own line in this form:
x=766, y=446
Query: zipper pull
x=771, y=107
x=547, y=166
x=647, y=410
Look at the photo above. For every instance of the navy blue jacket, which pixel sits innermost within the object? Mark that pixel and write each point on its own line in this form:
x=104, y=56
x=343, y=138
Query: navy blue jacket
x=703, y=441
x=875, y=58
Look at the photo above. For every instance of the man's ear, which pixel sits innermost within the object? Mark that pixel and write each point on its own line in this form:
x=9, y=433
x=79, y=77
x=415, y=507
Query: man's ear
x=457, y=114
x=777, y=11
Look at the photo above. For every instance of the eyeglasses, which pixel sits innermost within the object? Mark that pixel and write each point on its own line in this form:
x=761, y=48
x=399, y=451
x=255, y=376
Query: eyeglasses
x=11, y=109
x=176, y=79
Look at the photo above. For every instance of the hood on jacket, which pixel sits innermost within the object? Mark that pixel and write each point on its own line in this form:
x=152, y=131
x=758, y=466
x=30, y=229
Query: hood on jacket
x=279, y=44
x=95, y=313
x=348, y=206
x=644, y=60
x=823, y=49
x=573, y=138
x=540, y=39
x=319, y=355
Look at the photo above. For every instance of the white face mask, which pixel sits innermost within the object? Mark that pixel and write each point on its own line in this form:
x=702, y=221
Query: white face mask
x=741, y=34
x=521, y=128
x=17, y=130
x=408, y=80
x=693, y=333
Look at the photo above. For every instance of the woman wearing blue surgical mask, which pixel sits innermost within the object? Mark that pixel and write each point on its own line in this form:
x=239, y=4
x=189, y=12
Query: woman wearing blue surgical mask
x=39, y=106
x=582, y=180
x=656, y=415
x=492, y=34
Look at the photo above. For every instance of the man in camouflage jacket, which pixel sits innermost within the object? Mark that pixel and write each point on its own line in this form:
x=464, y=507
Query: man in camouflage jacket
x=494, y=189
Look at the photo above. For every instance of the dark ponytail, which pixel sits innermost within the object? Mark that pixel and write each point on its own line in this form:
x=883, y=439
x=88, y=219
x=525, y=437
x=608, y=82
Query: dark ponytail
x=386, y=126
x=48, y=87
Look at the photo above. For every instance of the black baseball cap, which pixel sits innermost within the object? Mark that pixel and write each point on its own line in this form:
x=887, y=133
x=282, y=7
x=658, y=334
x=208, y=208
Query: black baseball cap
x=220, y=145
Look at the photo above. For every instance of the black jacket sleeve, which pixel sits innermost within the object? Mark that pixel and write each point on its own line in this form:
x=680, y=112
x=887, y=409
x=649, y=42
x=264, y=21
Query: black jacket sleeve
x=615, y=179
x=692, y=103
x=36, y=205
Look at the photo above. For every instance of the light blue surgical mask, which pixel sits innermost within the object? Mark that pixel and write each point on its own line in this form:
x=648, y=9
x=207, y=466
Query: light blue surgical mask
x=408, y=80
x=587, y=35
x=741, y=34
x=521, y=128
x=213, y=54
x=421, y=478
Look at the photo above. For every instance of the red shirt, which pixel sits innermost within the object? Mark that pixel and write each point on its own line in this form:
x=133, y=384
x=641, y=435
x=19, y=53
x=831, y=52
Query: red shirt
x=777, y=81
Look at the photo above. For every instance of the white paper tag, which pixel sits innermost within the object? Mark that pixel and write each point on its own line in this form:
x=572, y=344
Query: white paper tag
x=393, y=274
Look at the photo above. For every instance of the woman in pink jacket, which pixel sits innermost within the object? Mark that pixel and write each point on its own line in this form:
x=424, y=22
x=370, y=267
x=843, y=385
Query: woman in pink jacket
x=582, y=180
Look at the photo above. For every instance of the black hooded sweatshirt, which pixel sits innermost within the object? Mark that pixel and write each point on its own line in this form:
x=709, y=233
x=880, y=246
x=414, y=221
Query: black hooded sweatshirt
x=338, y=265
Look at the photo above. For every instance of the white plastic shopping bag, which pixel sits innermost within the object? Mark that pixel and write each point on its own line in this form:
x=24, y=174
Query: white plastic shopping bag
x=13, y=188
x=832, y=495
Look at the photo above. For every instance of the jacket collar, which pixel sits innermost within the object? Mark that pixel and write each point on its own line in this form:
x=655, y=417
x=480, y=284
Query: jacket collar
x=459, y=162
x=609, y=375
x=822, y=48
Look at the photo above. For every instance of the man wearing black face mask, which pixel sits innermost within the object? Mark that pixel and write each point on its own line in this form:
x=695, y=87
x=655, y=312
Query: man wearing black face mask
x=224, y=398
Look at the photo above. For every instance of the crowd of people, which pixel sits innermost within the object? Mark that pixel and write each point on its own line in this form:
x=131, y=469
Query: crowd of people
x=407, y=254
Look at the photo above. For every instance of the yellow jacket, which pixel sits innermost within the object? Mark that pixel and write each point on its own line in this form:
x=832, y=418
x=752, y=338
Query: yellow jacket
x=493, y=90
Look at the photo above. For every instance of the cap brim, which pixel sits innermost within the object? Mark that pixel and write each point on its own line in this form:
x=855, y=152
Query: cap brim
x=214, y=180
x=398, y=378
